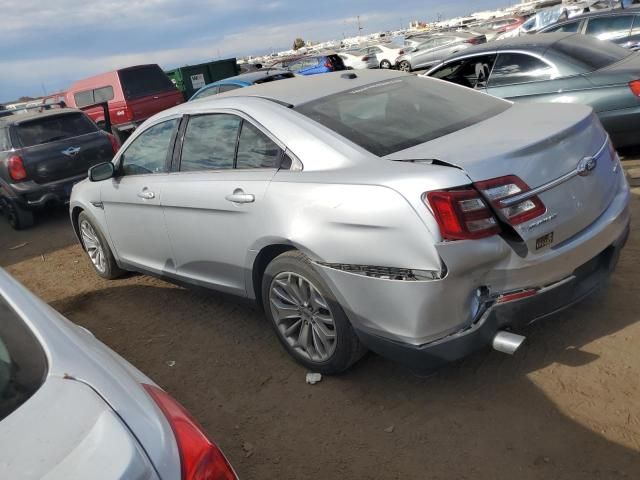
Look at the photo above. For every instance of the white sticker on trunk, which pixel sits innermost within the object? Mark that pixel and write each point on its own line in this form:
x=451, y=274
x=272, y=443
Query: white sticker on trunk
x=197, y=81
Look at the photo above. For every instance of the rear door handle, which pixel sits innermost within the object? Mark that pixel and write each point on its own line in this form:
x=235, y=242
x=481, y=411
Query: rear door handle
x=238, y=196
x=146, y=194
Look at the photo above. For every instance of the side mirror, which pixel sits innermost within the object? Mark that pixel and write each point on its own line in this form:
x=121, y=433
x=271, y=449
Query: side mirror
x=101, y=171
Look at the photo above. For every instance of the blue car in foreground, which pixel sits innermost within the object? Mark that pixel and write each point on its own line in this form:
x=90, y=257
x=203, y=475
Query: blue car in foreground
x=312, y=65
x=244, y=80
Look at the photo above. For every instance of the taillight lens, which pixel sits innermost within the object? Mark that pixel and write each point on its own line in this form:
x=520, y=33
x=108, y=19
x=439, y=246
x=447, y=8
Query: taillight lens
x=328, y=64
x=401, y=52
x=365, y=59
x=200, y=458
x=498, y=190
x=462, y=214
x=114, y=143
x=635, y=87
x=16, y=168
x=472, y=41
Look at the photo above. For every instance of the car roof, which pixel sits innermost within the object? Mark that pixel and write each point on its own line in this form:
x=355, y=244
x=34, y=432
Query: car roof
x=524, y=42
x=299, y=90
x=18, y=118
x=634, y=10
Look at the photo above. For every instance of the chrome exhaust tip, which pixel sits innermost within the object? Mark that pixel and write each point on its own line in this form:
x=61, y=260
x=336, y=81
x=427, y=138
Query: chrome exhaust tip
x=507, y=342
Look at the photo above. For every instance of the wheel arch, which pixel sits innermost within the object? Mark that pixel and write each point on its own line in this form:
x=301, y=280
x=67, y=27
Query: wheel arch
x=75, y=213
x=260, y=263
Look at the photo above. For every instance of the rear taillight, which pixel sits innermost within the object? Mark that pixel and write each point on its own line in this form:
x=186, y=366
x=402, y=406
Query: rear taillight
x=200, y=458
x=328, y=64
x=114, y=143
x=472, y=41
x=365, y=59
x=401, y=52
x=635, y=87
x=462, y=214
x=16, y=168
x=501, y=192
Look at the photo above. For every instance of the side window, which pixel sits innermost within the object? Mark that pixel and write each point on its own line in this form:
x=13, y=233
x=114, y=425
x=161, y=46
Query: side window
x=427, y=45
x=208, y=92
x=228, y=88
x=607, y=28
x=515, y=68
x=255, y=149
x=571, y=27
x=83, y=99
x=103, y=94
x=209, y=142
x=148, y=153
x=469, y=72
x=636, y=25
x=375, y=50
x=4, y=140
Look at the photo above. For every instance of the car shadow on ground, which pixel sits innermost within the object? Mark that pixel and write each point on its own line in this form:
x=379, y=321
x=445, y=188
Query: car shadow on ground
x=52, y=231
x=485, y=417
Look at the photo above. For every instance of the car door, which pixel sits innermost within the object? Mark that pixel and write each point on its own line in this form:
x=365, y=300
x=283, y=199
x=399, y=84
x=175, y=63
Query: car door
x=214, y=201
x=131, y=200
x=610, y=27
x=422, y=54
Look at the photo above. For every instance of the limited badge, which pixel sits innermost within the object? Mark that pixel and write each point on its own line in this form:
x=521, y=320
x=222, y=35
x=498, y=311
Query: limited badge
x=544, y=241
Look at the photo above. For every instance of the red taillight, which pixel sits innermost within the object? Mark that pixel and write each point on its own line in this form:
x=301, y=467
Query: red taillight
x=519, y=295
x=462, y=214
x=472, y=41
x=328, y=64
x=401, y=52
x=16, y=168
x=114, y=143
x=500, y=190
x=200, y=458
x=365, y=59
x=635, y=87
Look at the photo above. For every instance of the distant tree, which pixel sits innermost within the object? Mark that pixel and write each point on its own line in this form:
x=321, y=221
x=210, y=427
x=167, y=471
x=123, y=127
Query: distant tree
x=298, y=43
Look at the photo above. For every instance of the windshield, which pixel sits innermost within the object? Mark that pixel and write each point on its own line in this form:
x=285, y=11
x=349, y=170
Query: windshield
x=142, y=81
x=54, y=128
x=23, y=365
x=394, y=115
x=591, y=53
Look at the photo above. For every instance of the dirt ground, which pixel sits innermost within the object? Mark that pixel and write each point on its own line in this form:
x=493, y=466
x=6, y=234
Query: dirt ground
x=565, y=407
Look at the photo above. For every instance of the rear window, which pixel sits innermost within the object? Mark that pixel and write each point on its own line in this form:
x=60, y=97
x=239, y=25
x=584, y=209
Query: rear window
x=54, y=128
x=142, y=81
x=390, y=116
x=591, y=53
x=23, y=365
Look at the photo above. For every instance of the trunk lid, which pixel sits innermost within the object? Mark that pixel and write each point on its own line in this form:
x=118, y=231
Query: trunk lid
x=624, y=71
x=539, y=143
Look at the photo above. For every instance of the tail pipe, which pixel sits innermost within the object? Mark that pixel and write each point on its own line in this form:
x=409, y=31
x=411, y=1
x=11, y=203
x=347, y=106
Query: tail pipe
x=507, y=342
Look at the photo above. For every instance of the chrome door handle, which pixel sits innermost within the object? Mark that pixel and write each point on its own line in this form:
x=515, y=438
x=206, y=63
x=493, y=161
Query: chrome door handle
x=238, y=196
x=146, y=195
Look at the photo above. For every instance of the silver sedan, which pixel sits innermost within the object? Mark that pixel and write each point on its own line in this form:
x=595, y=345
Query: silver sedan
x=376, y=209
x=72, y=408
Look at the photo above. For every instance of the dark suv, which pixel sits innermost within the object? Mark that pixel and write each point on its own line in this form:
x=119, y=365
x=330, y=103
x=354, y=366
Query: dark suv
x=42, y=155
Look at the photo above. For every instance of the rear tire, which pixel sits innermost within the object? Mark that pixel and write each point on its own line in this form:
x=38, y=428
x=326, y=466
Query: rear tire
x=307, y=319
x=19, y=218
x=404, y=66
x=385, y=64
x=97, y=249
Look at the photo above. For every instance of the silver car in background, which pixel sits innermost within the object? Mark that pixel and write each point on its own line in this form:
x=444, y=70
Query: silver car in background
x=72, y=408
x=371, y=209
x=436, y=48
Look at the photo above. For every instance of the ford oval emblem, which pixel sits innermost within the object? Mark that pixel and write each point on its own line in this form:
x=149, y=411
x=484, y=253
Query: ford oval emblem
x=586, y=166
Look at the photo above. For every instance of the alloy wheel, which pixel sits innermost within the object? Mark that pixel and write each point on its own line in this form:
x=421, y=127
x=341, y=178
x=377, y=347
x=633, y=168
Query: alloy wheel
x=93, y=246
x=302, y=316
x=405, y=66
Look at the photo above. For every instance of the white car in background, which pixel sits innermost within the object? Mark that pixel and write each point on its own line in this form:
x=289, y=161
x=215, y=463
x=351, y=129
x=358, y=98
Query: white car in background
x=358, y=60
x=71, y=408
x=385, y=54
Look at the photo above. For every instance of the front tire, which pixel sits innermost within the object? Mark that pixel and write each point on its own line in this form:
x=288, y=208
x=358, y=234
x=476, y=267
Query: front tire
x=308, y=320
x=404, y=66
x=97, y=249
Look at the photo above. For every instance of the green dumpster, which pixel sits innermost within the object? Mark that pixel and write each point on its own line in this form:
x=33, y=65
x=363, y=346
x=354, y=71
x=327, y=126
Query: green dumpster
x=190, y=78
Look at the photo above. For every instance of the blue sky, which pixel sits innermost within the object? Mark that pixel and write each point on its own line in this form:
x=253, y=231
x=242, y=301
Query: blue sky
x=50, y=43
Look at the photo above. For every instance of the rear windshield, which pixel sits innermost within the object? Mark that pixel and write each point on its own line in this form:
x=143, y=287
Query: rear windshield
x=54, y=128
x=142, y=81
x=390, y=116
x=591, y=53
x=271, y=78
x=23, y=365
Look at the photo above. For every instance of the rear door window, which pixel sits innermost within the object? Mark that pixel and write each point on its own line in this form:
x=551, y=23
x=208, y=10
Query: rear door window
x=4, y=140
x=148, y=152
x=571, y=27
x=255, y=149
x=472, y=72
x=23, y=364
x=143, y=81
x=53, y=128
x=611, y=27
x=210, y=142
x=516, y=68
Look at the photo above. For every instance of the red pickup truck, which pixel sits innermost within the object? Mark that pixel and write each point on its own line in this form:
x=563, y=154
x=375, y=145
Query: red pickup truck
x=133, y=94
